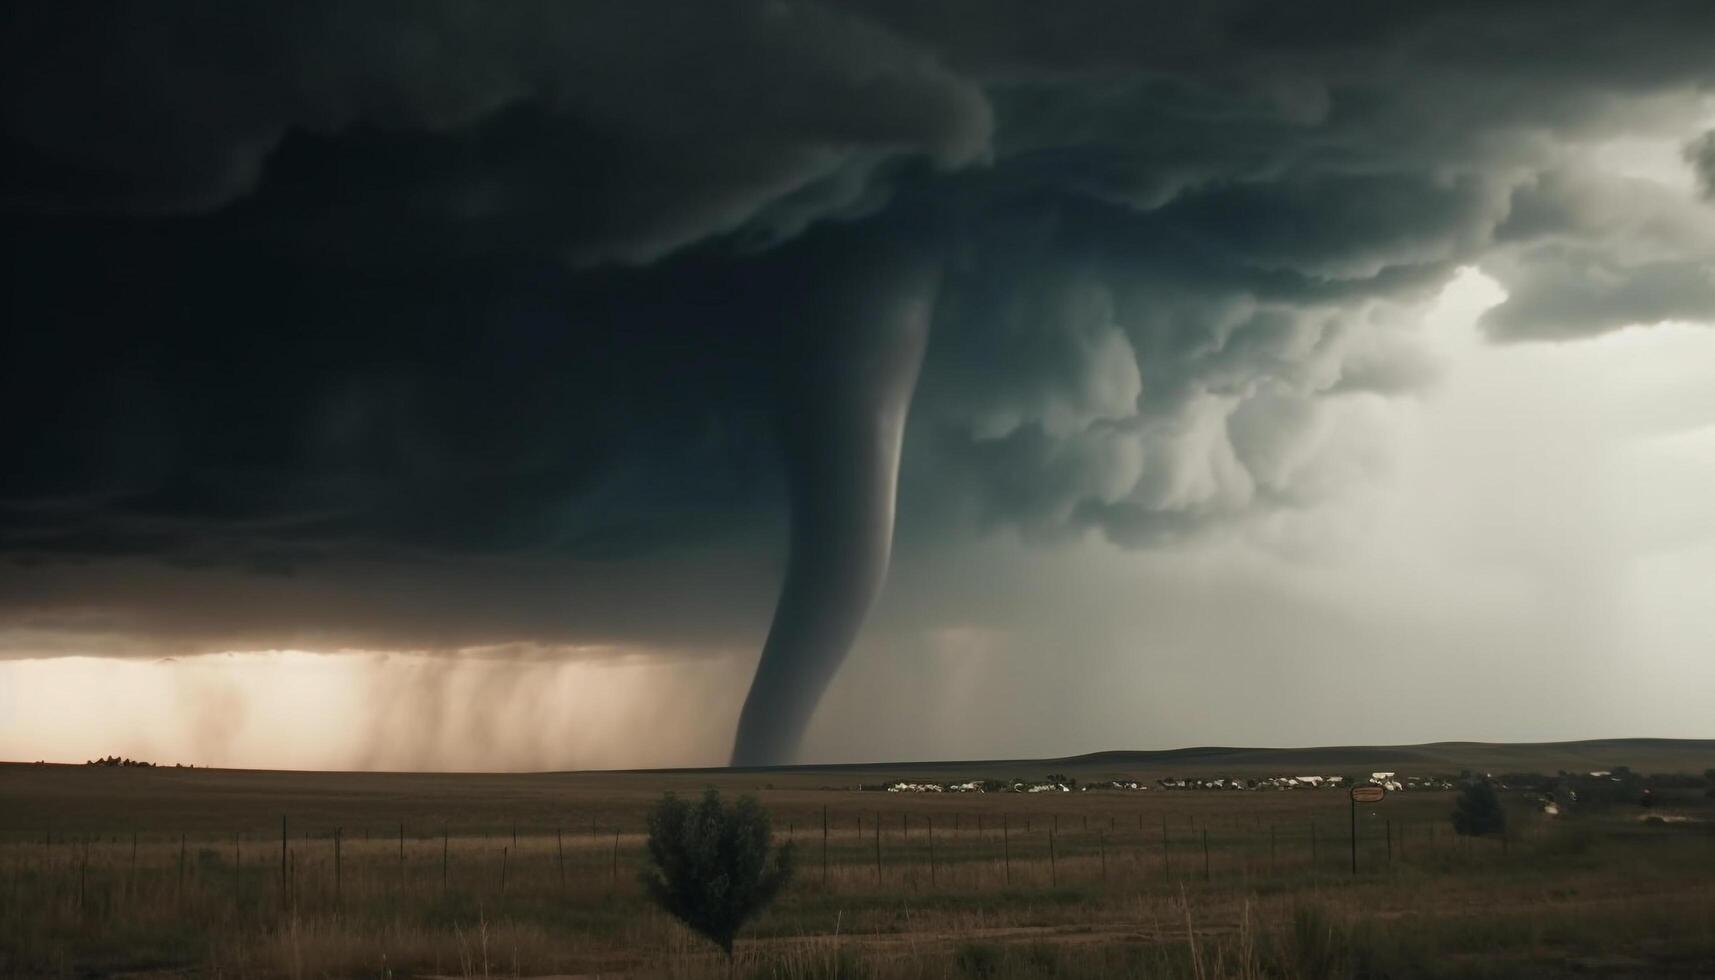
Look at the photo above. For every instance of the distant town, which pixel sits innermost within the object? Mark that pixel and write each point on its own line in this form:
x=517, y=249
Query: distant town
x=1621, y=782
x=1070, y=784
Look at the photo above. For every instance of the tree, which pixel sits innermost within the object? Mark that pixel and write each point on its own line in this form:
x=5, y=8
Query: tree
x=710, y=866
x=1478, y=810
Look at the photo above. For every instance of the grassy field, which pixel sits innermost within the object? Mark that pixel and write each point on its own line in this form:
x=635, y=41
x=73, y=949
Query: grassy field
x=183, y=872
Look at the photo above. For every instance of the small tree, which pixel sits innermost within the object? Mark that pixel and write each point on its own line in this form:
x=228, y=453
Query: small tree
x=709, y=863
x=1478, y=810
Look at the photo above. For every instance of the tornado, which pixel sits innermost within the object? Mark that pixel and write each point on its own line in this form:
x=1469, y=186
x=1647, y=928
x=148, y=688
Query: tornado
x=863, y=322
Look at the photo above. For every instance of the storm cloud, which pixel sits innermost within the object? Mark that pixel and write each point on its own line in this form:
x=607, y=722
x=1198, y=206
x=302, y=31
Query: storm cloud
x=377, y=306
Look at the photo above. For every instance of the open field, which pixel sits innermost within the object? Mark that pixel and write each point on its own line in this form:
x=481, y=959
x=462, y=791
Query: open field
x=184, y=872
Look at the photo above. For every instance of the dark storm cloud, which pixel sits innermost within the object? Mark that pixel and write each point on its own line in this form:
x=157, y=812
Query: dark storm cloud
x=647, y=126
x=719, y=600
x=402, y=285
x=1582, y=253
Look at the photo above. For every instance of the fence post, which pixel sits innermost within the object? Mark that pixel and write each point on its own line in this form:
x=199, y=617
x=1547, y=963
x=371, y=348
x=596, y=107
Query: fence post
x=1166, y=863
x=401, y=857
x=1354, y=806
x=931, y=852
x=503, y=851
x=613, y=871
x=878, y=848
x=337, y=882
x=824, y=845
x=285, y=894
x=1053, y=874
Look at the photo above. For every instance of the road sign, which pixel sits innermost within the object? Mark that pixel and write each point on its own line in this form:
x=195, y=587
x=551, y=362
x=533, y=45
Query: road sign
x=1362, y=794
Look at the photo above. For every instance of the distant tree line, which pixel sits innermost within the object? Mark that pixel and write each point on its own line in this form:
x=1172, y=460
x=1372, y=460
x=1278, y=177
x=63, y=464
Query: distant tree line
x=1600, y=788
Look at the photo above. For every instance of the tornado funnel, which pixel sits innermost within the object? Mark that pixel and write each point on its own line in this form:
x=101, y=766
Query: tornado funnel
x=857, y=355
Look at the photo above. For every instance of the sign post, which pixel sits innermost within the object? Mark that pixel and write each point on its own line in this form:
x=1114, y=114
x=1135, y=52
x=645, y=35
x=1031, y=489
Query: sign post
x=1362, y=794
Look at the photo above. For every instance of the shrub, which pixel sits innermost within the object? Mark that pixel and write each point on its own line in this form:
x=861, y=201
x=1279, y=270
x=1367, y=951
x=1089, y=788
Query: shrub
x=709, y=863
x=1478, y=810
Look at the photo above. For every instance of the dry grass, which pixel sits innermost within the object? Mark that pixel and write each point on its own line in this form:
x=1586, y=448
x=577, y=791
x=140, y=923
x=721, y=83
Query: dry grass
x=1074, y=886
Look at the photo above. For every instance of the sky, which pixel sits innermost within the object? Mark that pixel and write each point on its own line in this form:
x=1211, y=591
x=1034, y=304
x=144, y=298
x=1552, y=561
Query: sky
x=438, y=387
